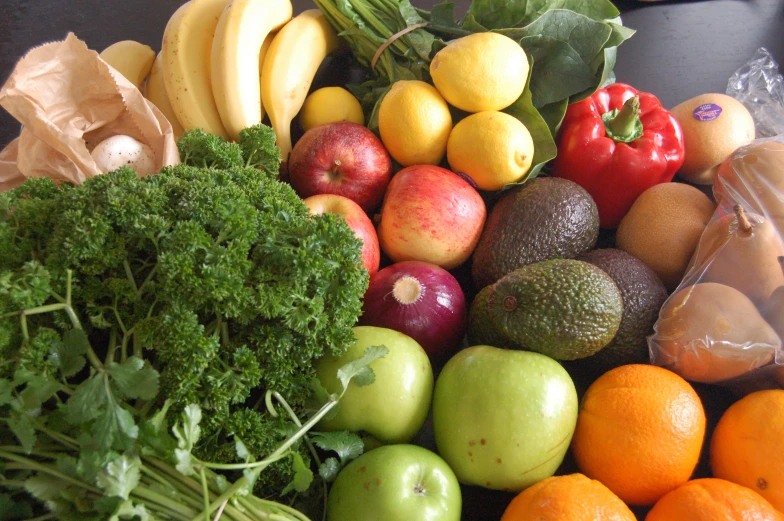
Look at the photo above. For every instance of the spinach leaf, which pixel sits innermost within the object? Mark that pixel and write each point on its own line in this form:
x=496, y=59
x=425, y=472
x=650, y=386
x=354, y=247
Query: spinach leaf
x=558, y=71
x=544, y=144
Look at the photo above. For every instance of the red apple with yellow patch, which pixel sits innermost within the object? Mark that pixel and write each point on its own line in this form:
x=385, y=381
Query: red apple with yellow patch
x=430, y=214
x=341, y=158
x=357, y=220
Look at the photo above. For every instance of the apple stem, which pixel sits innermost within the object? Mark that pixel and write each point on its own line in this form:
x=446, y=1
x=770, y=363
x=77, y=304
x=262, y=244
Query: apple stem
x=407, y=290
x=743, y=219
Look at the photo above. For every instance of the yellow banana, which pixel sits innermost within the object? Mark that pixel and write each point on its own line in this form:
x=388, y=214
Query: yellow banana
x=185, y=55
x=238, y=40
x=289, y=67
x=156, y=93
x=132, y=59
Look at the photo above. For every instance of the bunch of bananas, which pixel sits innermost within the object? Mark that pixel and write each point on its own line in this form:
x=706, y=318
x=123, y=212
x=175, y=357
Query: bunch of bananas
x=225, y=63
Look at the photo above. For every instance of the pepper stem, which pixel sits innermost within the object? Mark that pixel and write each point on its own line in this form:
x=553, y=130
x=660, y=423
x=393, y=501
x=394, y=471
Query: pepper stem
x=624, y=125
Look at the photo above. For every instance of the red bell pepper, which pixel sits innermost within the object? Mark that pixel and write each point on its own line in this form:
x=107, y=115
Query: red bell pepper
x=616, y=144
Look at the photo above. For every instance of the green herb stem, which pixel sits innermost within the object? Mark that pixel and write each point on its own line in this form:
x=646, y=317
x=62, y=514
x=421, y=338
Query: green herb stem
x=172, y=507
x=40, y=467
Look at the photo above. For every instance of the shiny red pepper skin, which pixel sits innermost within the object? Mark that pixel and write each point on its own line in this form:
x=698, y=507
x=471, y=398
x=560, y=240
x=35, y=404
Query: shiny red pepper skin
x=616, y=173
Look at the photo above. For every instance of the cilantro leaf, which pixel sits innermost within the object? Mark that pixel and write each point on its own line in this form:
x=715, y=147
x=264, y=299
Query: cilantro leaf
x=359, y=370
x=5, y=391
x=242, y=451
x=328, y=470
x=120, y=476
x=45, y=487
x=189, y=431
x=134, y=379
x=348, y=445
x=68, y=355
x=21, y=424
x=87, y=401
x=115, y=427
x=303, y=476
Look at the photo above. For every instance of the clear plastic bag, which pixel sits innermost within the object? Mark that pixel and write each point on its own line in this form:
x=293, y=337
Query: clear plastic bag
x=760, y=87
x=725, y=322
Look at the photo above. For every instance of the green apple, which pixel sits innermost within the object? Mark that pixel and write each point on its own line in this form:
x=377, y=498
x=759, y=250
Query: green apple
x=503, y=419
x=396, y=483
x=394, y=407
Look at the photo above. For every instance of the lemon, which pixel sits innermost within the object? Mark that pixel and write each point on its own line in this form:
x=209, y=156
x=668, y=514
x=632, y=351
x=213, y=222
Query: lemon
x=330, y=104
x=482, y=71
x=493, y=148
x=414, y=123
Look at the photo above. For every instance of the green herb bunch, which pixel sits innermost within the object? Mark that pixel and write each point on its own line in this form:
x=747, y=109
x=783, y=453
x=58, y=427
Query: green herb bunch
x=202, y=288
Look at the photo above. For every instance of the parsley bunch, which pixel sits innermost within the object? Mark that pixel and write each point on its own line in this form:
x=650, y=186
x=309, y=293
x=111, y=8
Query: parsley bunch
x=202, y=288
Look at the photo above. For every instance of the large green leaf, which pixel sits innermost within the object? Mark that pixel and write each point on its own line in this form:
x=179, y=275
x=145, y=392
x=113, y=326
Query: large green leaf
x=558, y=71
x=544, y=144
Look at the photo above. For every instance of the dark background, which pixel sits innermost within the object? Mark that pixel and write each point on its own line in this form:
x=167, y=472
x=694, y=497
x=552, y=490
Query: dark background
x=681, y=49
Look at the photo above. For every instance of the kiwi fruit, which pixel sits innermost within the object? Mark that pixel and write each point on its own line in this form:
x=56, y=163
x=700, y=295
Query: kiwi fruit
x=663, y=227
x=714, y=126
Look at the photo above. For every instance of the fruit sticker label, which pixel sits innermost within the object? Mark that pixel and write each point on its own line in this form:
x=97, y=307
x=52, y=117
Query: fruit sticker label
x=707, y=112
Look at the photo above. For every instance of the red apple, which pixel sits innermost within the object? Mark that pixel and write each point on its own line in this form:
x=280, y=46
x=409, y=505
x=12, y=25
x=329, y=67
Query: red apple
x=357, y=220
x=341, y=158
x=430, y=214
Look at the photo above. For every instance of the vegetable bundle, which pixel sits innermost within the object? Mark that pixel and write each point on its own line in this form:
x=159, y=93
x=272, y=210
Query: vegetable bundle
x=192, y=291
x=571, y=45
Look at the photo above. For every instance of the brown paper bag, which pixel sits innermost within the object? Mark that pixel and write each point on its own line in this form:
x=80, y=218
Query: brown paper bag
x=68, y=100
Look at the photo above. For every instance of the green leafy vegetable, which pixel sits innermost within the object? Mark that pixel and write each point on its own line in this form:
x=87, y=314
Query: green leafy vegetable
x=196, y=289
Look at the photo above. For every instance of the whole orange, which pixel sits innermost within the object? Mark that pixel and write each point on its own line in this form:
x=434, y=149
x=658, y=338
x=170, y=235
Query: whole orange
x=712, y=499
x=639, y=431
x=573, y=497
x=746, y=447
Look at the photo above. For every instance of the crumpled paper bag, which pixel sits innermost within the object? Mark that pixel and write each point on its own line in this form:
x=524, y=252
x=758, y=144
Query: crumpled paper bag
x=68, y=100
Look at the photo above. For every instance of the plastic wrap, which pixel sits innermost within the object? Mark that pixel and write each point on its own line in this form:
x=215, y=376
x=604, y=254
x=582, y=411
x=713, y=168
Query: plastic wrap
x=724, y=323
x=760, y=87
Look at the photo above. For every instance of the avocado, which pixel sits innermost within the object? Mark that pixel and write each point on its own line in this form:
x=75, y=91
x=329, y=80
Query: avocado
x=481, y=330
x=563, y=308
x=643, y=294
x=542, y=219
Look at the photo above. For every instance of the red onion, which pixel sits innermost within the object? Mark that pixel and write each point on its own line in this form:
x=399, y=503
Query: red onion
x=421, y=300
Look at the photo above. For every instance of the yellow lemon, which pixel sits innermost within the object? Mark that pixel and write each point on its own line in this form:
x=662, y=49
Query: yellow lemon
x=330, y=104
x=493, y=148
x=482, y=71
x=414, y=123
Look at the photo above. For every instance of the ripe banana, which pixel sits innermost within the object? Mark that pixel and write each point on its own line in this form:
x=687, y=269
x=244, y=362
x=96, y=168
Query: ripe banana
x=156, y=93
x=132, y=59
x=185, y=53
x=291, y=63
x=239, y=37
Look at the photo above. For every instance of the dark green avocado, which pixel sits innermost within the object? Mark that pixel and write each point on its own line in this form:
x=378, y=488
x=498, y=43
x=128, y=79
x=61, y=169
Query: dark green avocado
x=544, y=218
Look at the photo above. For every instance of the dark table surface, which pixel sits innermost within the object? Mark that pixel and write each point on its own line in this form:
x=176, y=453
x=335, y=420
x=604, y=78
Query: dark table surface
x=681, y=49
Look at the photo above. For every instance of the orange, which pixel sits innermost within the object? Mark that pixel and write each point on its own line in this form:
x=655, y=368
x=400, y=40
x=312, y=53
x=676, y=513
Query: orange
x=711, y=499
x=639, y=431
x=746, y=447
x=574, y=497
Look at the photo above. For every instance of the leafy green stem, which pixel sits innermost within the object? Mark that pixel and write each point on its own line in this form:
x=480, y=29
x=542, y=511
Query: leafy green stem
x=206, y=494
x=46, y=469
